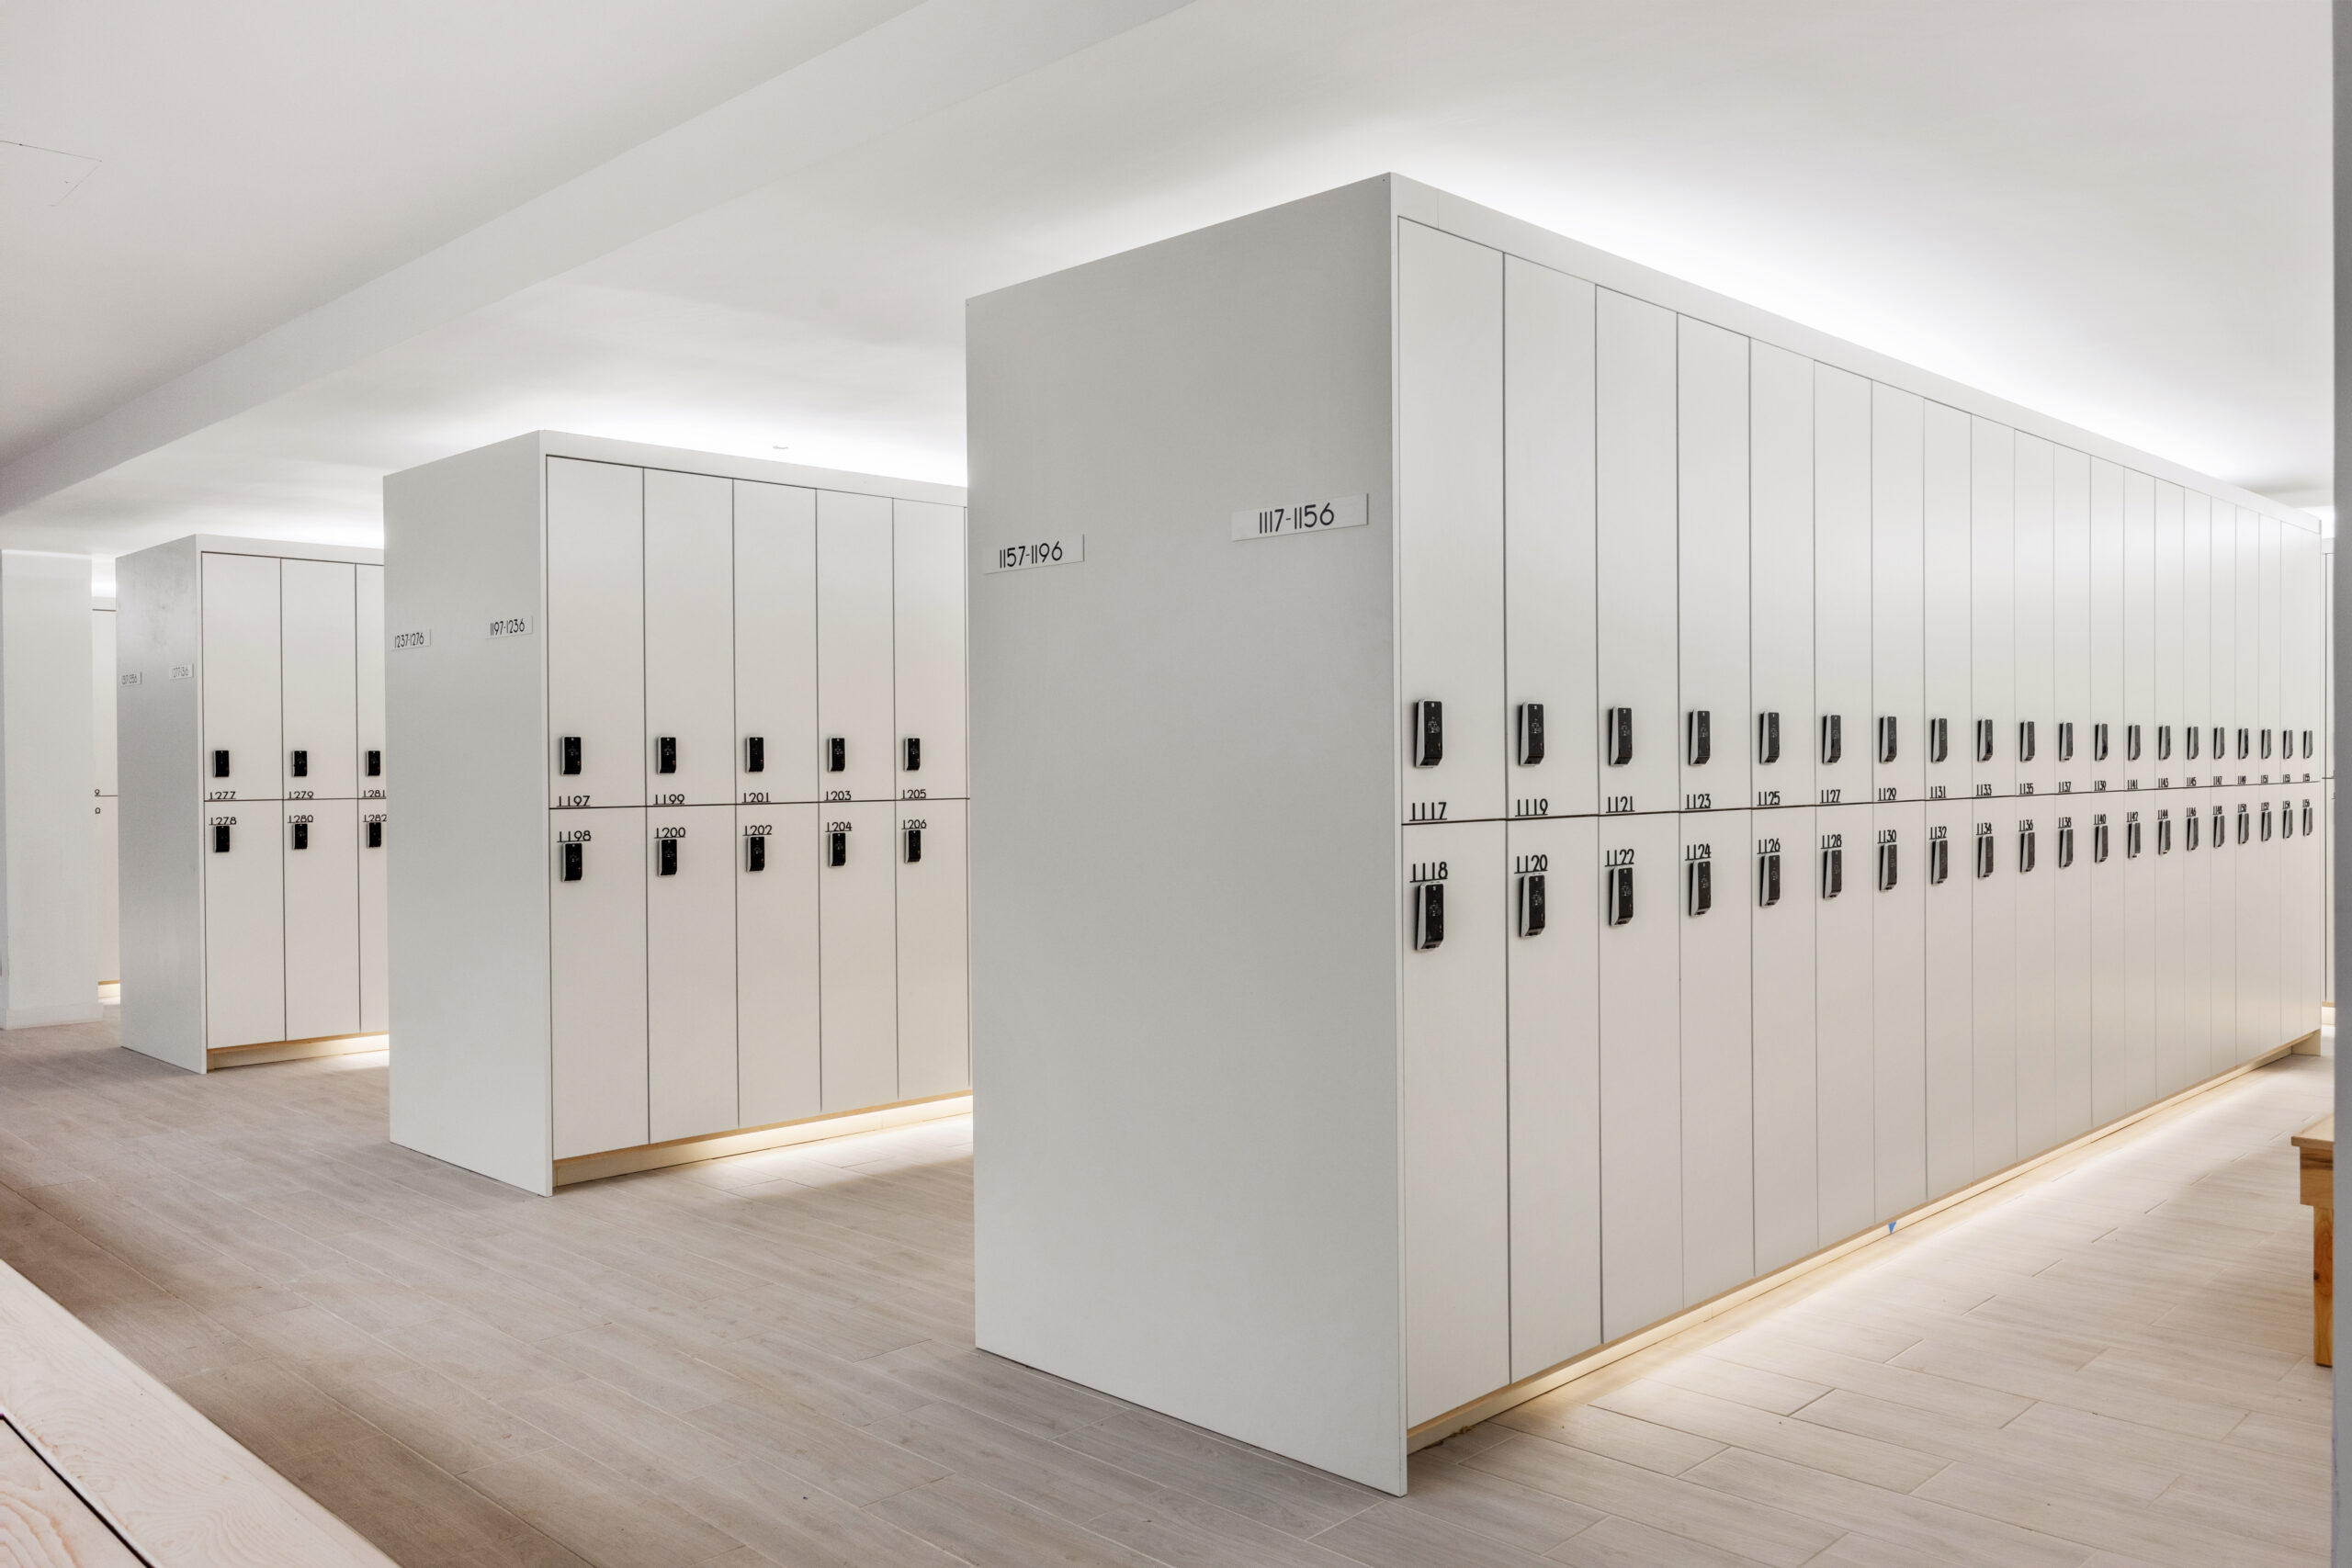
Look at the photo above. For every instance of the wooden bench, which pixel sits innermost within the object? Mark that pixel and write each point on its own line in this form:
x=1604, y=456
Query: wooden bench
x=2317, y=1143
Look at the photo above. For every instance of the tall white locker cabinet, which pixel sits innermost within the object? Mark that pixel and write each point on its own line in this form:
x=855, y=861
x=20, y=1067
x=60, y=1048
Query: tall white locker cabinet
x=107, y=806
x=1659, y=791
x=685, y=806
x=253, y=813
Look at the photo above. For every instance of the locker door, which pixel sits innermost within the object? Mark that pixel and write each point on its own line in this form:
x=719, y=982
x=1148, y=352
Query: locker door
x=1635, y=541
x=689, y=644
x=1781, y=571
x=775, y=648
x=2306, y=917
x=2272, y=624
x=934, y=948
x=1898, y=1004
x=109, y=899
x=1947, y=874
x=2164, y=856
x=776, y=1020
x=1554, y=980
x=1640, y=1095
x=1547, y=519
x=319, y=645
x=103, y=675
x=239, y=667
x=2222, y=766
x=321, y=840
x=927, y=557
x=1712, y=398
x=2251, y=631
x=1841, y=588
x=2070, y=572
x=2221, y=948
x=690, y=969
x=858, y=972
x=367, y=765
x=1993, y=918
x=1457, y=1121
x=2192, y=850
x=2163, y=748
x=375, y=947
x=2067, y=859
x=244, y=925
x=1898, y=585
x=1847, y=1114
x=2107, y=718
x=1951, y=765
x=2036, y=987
x=2098, y=838
x=854, y=648
x=2302, y=581
x=1449, y=516
x=2137, y=741
x=2136, y=843
x=1718, y=1088
x=2257, y=932
x=1993, y=505
x=597, y=961
x=2195, y=756
x=2033, y=737
x=595, y=634
x=1788, y=1202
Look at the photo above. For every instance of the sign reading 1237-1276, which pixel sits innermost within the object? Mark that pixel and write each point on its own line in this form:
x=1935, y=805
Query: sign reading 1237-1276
x=1303, y=517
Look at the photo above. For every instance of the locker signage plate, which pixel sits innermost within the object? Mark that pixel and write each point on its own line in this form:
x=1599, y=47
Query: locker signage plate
x=1068, y=551
x=509, y=626
x=411, y=639
x=130, y=677
x=1304, y=517
x=183, y=671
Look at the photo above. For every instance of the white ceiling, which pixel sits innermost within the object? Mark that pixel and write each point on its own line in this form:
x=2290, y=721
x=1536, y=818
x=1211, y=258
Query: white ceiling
x=2113, y=210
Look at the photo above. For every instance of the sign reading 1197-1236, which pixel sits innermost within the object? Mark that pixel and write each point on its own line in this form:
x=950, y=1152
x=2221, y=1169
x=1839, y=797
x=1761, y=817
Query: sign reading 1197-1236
x=1303, y=517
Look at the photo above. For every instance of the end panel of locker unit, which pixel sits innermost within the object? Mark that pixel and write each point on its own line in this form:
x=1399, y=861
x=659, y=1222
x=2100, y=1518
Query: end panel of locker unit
x=1946, y=633
x=320, y=839
x=1555, y=999
x=775, y=643
x=2135, y=840
x=2101, y=739
x=1898, y=738
x=369, y=648
x=690, y=971
x=857, y=948
x=1779, y=892
x=2162, y=743
x=1718, y=1081
x=1948, y=879
x=1841, y=731
x=1897, y=895
x=238, y=670
x=108, y=896
x=1993, y=918
x=1457, y=1121
x=2066, y=859
x=2033, y=736
x=1779, y=741
x=1713, y=575
x=1636, y=618
x=1549, y=607
x=596, y=976
x=2028, y=853
x=244, y=925
x=776, y=965
x=319, y=647
x=2137, y=738
x=934, y=950
x=1846, y=1118
x=855, y=717
x=927, y=556
x=2099, y=827
x=1641, y=1094
x=2070, y=575
x=689, y=640
x=1992, y=605
x=595, y=634
x=102, y=710
x=2195, y=758
x=375, y=947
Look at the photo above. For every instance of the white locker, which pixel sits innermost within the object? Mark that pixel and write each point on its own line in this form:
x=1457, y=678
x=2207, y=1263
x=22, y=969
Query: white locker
x=2303, y=615
x=2272, y=631
x=1898, y=739
x=1898, y=1003
x=2165, y=760
x=1548, y=525
x=2066, y=856
x=244, y=924
x=2254, y=842
x=374, y=945
x=239, y=671
x=857, y=923
x=1635, y=543
x=2135, y=841
x=1711, y=394
x=776, y=646
x=2222, y=950
x=934, y=983
x=596, y=969
x=1992, y=919
x=2223, y=765
x=107, y=820
x=2069, y=743
x=1781, y=940
x=318, y=646
x=1718, y=1087
x=2103, y=745
x=2137, y=740
x=1945, y=622
x=2193, y=846
x=1457, y=1120
x=689, y=650
x=1947, y=877
x=2098, y=838
x=2195, y=757
x=320, y=839
x=1780, y=743
x=1641, y=1097
x=2033, y=739
x=2299, y=913
x=2172, y=1071
x=1992, y=605
x=595, y=634
x=1555, y=1000
x=1847, y=1113
x=854, y=717
x=1841, y=595
x=368, y=764
x=927, y=557
x=2250, y=746
x=777, y=946
x=690, y=1069
x=2035, y=894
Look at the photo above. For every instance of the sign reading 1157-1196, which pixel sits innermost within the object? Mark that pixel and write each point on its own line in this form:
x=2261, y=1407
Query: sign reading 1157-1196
x=1302, y=517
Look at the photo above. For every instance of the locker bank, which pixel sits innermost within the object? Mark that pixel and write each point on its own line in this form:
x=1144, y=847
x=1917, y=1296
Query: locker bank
x=1578, y=795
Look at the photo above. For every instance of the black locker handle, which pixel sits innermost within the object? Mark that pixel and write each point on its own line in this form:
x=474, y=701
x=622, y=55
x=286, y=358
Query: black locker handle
x=2163, y=832
x=1620, y=892
x=666, y=857
x=1833, y=739
x=1767, y=878
x=2245, y=743
x=299, y=764
x=2065, y=845
x=2163, y=742
x=1768, y=738
x=375, y=764
x=1984, y=740
x=2025, y=741
x=1429, y=915
x=836, y=754
x=221, y=764
x=301, y=835
x=2189, y=735
x=2131, y=742
x=1938, y=740
x=1833, y=873
x=914, y=845
x=2099, y=741
x=2265, y=743
x=1531, y=734
x=1531, y=904
x=2131, y=837
x=1428, y=733
x=1983, y=856
x=1888, y=870
x=2024, y=849
x=1886, y=737
x=220, y=838
x=837, y=848
x=1939, y=862
x=571, y=761
x=2066, y=740
x=2098, y=841
x=755, y=852
x=1699, y=742
x=1699, y=885
x=665, y=754
x=1617, y=736
x=755, y=753
x=575, y=857
x=375, y=835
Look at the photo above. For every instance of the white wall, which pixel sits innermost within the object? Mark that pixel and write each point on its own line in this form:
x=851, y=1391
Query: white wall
x=48, y=923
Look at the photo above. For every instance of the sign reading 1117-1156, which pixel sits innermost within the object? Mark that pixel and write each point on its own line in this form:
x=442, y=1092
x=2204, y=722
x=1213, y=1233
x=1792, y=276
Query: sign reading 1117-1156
x=1303, y=517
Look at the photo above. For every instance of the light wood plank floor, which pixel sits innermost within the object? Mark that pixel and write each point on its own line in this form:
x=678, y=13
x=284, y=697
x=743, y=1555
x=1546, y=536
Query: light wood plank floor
x=768, y=1360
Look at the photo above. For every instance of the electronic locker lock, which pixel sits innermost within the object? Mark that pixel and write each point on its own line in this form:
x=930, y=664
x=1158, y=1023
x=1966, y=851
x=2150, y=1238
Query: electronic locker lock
x=299, y=764
x=376, y=835
x=912, y=748
x=836, y=754
x=2025, y=848
x=301, y=835
x=2132, y=835
x=2131, y=742
x=2065, y=842
x=1768, y=738
x=1429, y=915
x=914, y=845
x=2163, y=742
x=575, y=857
x=375, y=764
x=1833, y=739
x=2025, y=741
x=1428, y=733
x=1886, y=739
x=1938, y=740
x=1699, y=885
x=1939, y=862
x=2307, y=743
x=2066, y=740
x=2188, y=826
x=2163, y=832
x=2266, y=745
x=2307, y=819
x=570, y=764
x=2221, y=834
x=221, y=764
x=836, y=847
x=666, y=753
x=1617, y=736
x=2245, y=743
x=2246, y=822
x=755, y=852
x=2099, y=741
x=2188, y=733
x=1984, y=740
x=1833, y=872
x=1698, y=740
x=755, y=753
x=1531, y=734
x=665, y=857
x=1767, y=878
x=1887, y=869
x=1531, y=904
x=220, y=838
x=2265, y=821
x=1617, y=894
x=2220, y=743
x=2286, y=818
x=1985, y=854
x=2098, y=840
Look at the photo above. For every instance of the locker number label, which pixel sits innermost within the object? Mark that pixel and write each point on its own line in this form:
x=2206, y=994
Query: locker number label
x=411, y=639
x=1068, y=551
x=130, y=677
x=1303, y=517
x=509, y=626
x=183, y=671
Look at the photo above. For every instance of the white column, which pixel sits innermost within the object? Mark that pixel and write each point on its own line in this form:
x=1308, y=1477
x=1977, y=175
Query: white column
x=49, y=955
